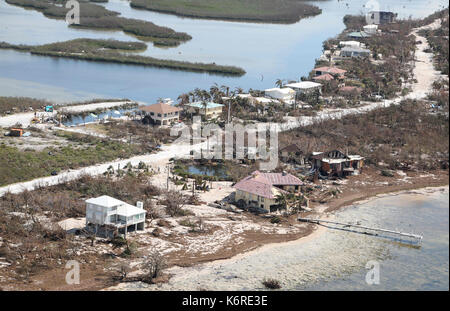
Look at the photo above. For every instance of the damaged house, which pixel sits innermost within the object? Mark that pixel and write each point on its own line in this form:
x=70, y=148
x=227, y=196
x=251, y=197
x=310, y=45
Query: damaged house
x=292, y=153
x=336, y=163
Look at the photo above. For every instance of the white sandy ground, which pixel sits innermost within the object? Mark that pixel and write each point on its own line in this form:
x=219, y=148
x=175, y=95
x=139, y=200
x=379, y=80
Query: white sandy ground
x=26, y=117
x=424, y=72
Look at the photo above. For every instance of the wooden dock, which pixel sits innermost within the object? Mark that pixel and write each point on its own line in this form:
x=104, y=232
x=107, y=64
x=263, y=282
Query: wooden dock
x=345, y=225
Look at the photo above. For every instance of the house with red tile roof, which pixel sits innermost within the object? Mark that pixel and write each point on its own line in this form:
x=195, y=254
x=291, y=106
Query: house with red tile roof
x=324, y=77
x=261, y=189
x=335, y=72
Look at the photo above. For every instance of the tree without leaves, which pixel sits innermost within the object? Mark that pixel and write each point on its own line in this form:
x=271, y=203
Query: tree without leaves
x=153, y=266
x=174, y=202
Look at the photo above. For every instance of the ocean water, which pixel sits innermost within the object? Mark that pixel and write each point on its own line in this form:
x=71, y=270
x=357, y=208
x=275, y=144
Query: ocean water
x=338, y=259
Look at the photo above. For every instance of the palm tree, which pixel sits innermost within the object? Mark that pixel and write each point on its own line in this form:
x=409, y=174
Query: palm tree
x=206, y=95
x=279, y=83
x=198, y=94
x=183, y=99
x=282, y=200
x=239, y=90
x=298, y=202
x=225, y=89
x=214, y=91
x=205, y=106
x=191, y=94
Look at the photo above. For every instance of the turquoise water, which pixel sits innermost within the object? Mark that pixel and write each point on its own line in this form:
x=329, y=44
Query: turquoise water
x=266, y=51
x=407, y=268
x=337, y=259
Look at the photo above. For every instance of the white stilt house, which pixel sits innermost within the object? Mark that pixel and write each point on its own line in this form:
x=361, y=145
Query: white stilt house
x=107, y=211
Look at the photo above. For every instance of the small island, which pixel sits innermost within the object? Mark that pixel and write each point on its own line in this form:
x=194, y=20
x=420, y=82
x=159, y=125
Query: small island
x=94, y=16
x=266, y=11
x=111, y=51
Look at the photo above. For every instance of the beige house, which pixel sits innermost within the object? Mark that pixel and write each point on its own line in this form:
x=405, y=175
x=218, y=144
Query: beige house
x=261, y=189
x=208, y=109
x=161, y=114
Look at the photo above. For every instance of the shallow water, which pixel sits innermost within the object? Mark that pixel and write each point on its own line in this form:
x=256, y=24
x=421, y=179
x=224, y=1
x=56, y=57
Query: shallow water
x=210, y=171
x=336, y=259
x=266, y=51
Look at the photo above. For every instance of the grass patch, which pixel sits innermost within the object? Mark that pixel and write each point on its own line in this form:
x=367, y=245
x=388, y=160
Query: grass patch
x=10, y=105
x=18, y=166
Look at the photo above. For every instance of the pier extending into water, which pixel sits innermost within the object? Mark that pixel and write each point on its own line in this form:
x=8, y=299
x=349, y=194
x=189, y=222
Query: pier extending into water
x=346, y=225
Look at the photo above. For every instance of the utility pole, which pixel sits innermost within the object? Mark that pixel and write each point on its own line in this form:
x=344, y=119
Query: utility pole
x=295, y=100
x=168, y=174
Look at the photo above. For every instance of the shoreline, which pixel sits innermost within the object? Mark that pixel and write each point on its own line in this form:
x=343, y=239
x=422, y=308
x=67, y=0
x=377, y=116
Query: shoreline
x=132, y=60
x=318, y=231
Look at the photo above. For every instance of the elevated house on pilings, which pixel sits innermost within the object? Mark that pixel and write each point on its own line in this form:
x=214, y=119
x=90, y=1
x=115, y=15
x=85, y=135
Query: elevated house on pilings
x=105, y=213
x=336, y=163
